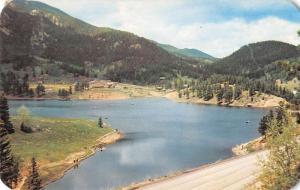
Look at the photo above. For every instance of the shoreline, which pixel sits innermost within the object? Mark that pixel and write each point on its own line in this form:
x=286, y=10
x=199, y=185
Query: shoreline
x=107, y=139
x=249, y=147
x=70, y=163
x=156, y=180
x=189, y=101
x=239, y=151
x=261, y=105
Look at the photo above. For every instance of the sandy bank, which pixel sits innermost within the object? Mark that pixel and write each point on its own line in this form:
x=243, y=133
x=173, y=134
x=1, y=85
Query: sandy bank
x=249, y=147
x=120, y=91
x=262, y=101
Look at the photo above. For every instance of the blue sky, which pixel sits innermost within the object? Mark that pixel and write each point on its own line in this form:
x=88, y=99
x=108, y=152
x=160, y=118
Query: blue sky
x=217, y=27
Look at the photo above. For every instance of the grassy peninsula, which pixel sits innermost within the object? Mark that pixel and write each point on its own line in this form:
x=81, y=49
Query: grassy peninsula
x=58, y=144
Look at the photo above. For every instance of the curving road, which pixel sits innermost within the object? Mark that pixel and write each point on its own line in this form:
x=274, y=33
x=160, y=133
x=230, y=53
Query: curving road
x=232, y=174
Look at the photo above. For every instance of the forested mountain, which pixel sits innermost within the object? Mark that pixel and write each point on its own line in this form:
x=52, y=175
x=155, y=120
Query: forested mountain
x=31, y=31
x=252, y=60
x=33, y=34
x=193, y=53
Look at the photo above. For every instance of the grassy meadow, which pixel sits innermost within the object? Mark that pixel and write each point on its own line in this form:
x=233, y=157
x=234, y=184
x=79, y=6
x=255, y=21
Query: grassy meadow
x=55, y=143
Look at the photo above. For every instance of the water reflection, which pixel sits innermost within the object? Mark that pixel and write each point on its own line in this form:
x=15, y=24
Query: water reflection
x=161, y=137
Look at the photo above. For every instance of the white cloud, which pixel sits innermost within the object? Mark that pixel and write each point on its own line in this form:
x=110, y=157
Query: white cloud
x=2, y=2
x=149, y=156
x=221, y=39
x=296, y=3
x=188, y=23
x=255, y=4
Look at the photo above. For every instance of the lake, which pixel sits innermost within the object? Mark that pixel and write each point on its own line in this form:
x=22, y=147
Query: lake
x=161, y=137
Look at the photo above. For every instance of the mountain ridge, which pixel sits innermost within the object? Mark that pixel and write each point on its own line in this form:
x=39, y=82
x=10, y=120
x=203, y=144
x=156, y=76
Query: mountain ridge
x=251, y=59
x=41, y=32
x=194, y=53
x=68, y=47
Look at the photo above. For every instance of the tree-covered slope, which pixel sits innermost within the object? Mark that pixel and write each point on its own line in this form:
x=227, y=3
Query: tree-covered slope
x=251, y=60
x=30, y=31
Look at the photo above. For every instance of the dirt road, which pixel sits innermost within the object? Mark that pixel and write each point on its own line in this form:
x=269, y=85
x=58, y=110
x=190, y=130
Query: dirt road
x=231, y=174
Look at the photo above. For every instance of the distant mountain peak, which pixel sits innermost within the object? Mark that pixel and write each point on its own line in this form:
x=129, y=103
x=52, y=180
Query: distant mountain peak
x=57, y=16
x=193, y=53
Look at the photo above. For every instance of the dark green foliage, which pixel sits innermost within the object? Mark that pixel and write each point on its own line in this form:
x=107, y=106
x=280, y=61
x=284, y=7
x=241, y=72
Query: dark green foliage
x=9, y=167
x=280, y=116
x=13, y=84
x=63, y=93
x=251, y=59
x=219, y=91
x=70, y=90
x=100, y=122
x=33, y=72
x=82, y=49
x=119, y=56
x=31, y=93
x=237, y=92
x=81, y=86
x=40, y=90
x=228, y=94
x=251, y=91
x=264, y=123
x=208, y=94
x=34, y=181
x=4, y=114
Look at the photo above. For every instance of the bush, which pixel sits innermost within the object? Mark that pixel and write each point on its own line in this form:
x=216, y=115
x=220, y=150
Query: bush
x=26, y=129
x=281, y=168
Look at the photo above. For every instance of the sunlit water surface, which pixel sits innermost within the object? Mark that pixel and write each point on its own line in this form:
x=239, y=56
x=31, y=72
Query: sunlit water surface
x=161, y=137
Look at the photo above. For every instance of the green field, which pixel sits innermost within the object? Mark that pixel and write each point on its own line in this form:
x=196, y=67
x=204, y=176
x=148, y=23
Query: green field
x=54, y=140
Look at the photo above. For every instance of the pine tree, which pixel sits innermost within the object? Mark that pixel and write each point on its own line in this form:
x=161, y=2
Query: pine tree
x=265, y=123
x=251, y=91
x=70, y=90
x=281, y=117
x=40, y=90
x=34, y=181
x=219, y=94
x=100, y=122
x=4, y=115
x=9, y=168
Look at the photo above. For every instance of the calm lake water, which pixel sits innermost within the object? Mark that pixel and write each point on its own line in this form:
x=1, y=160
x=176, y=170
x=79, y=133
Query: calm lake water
x=161, y=136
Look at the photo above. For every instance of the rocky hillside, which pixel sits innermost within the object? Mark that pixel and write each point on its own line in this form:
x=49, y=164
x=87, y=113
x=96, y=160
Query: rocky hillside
x=31, y=31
